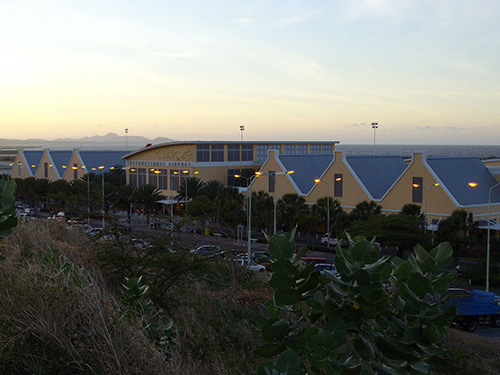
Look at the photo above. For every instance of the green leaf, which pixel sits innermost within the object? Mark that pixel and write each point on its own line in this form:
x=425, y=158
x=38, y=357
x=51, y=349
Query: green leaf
x=419, y=284
x=280, y=247
x=275, y=331
x=287, y=297
x=421, y=367
x=288, y=363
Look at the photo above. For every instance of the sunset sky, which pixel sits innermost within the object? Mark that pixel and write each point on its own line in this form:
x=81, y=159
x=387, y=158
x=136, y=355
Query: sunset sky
x=428, y=71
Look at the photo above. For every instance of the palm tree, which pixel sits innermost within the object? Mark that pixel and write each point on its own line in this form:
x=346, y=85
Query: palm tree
x=366, y=210
x=211, y=189
x=194, y=187
x=321, y=209
x=146, y=196
x=262, y=209
x=288, y=207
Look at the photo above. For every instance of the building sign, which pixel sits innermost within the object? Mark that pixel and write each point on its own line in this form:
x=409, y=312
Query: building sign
x=177, y=155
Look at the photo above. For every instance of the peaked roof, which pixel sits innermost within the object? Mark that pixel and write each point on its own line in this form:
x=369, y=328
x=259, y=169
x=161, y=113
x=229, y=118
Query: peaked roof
x=456, y=173
x=306, y=167
x=60, y=158
x=106, y=159
x=377, y=172
x=33, y=159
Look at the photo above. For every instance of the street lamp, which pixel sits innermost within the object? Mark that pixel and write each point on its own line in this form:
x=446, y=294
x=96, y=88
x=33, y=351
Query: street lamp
x=249, y=181
x=374, y=127
x=126, y=139
x=328, y=204
x=258, y=174
x=475, y=184
x=103, y=209
x=242, y=129
x=186, y=186
x=425, y=201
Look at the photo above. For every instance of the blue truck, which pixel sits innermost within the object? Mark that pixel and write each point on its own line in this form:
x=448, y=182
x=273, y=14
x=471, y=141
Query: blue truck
x=474, y=307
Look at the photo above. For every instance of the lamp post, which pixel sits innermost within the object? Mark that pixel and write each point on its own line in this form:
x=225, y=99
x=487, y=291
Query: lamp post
x=126, y=140
x=374, y=127
x=103, y=208
x=425, y=200
x=186, y=187
x=242, y=129
x=474, y=184
x=249, y=181
x=328, y=204
x=258, y=174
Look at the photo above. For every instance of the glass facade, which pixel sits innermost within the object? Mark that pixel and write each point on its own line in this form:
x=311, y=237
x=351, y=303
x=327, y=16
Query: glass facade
x=174, y=179
x=141, y=177
x=246, y=152
x=217, y=152
x=233, y=152
x=153, y=178
x=203, y=153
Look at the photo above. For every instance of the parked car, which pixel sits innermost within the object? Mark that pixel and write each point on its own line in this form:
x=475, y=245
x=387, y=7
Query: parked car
x=326, y=238
x=323, y=267
x=208, y=251
x=252, y=266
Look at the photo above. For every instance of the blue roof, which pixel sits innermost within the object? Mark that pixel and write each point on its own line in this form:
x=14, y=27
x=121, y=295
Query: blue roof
x=60, y=158
x=106, y=159
x=33, y=158
x=377, y=172
x=306, y=167
x=456, y=173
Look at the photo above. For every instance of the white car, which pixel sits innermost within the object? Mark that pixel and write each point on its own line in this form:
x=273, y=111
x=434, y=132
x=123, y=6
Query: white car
x=326, y=238
x=252, y=266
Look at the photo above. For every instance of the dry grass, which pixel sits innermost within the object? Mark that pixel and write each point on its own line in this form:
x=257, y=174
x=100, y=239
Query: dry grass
x=56, y=316
x=472, y=355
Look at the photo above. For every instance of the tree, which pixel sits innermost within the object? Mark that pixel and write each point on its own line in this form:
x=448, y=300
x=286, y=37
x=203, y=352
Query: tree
x=262, y=210
x=229, y=207
x=146, y=196
x=211, y=189
x=8, y=219
x=322, y=211
x=365, y=210
x=288, y=207
x=456, y=229
x=194, y=187
x=378, y=317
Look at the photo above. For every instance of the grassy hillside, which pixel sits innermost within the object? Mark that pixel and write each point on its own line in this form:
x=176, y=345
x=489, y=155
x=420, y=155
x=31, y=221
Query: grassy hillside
x=64, y=310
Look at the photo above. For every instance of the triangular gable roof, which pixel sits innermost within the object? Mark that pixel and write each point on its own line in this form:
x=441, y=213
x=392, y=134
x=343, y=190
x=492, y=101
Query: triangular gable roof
x=106, y=159
x=306, y=167
x=33, y=159
x=456, y=172
x=60, y=158
x=377, y=173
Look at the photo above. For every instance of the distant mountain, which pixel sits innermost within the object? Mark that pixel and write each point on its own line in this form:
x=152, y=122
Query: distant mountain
x=110, y=141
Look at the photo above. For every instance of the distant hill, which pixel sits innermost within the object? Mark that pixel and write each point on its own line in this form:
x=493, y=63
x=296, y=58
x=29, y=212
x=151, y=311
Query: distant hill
x=110, y=141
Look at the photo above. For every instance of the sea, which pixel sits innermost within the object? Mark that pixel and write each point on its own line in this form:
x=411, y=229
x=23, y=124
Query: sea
x=481, y=152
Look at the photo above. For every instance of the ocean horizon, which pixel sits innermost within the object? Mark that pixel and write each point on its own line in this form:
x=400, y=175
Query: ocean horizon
x=482, y=152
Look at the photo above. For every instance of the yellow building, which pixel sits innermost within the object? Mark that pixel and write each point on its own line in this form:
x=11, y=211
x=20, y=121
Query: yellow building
x=167, y=165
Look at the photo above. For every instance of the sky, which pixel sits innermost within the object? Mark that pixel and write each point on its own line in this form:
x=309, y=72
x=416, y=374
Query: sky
x=427, y=71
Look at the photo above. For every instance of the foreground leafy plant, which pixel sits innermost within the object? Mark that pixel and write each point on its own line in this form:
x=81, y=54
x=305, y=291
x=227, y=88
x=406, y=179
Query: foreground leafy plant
x=378, y=317
x=8, y=220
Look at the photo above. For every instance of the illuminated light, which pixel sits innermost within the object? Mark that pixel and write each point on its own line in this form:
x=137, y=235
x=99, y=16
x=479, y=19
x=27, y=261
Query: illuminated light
x=132, y=170
x=93, y=169
x=415, y=185
x=473, y=184
x=33, y=165
x=157, y=172
x=185, y=171
x=338, y=179
x=237, y=176
x=101, y=167
x=152, y=169
x=64, y=166
x=317, y=180
x=50, y=165
x=196, y=172
x=258, y=173
x=74, y=167
x=290, y=172
x=436, y=184
x=112, y=168
x=11, y=164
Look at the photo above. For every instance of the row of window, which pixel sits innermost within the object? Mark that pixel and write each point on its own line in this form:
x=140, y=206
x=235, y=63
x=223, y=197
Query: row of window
x=244, y=152
x=161, y=178
x=215, y=153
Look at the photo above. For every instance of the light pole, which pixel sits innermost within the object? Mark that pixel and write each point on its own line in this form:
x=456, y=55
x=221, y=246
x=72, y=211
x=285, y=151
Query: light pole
x=425, y=201
x=126, y=139
x=103, y=209
x=374, y=127
x=474, y=184
x=186, y=187
x=258, y=174
x=328, y=204
x=249, y=181
x=242, y=129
